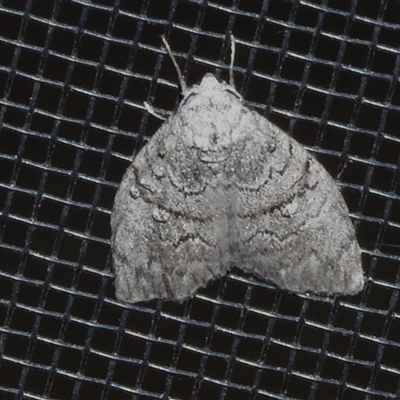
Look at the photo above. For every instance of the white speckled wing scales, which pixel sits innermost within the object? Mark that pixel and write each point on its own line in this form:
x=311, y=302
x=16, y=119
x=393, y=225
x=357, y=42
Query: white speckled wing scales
x=220, y=186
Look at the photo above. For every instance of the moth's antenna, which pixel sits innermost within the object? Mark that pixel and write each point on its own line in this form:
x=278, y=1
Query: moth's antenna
x=231, y=80
x=173, y=59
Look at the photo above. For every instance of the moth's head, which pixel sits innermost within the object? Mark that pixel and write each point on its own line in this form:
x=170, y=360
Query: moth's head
x=210, y=83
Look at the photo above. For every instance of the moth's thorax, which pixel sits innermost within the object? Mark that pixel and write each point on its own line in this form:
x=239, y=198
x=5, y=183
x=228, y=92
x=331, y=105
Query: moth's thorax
x=211, y=132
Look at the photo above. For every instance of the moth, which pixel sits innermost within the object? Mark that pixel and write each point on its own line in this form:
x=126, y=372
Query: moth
x=218, y=186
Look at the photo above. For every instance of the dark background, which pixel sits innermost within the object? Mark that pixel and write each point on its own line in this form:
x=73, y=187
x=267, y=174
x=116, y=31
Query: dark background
x=73, y=79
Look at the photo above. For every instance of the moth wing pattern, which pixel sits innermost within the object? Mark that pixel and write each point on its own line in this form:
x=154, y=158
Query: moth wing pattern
x=220, y=186
x=293, y=226
x=167, y=239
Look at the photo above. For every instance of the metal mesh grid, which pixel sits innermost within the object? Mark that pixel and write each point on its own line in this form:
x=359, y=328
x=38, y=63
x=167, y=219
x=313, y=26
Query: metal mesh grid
x=73, y=78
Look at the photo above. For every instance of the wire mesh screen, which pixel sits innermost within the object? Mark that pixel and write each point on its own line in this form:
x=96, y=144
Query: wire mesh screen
x=73, y=79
